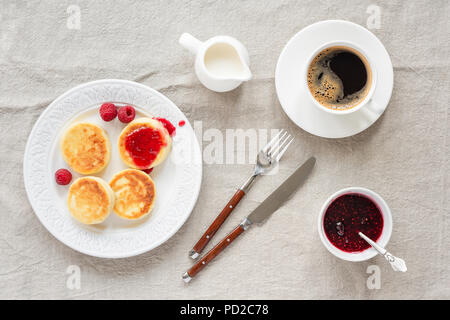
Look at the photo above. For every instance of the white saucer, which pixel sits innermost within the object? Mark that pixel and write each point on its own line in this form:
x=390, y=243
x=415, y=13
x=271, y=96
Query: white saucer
x=292, y=93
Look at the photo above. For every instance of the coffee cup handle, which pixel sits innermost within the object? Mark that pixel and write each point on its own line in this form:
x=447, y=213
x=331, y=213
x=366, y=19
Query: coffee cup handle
x=372, y=110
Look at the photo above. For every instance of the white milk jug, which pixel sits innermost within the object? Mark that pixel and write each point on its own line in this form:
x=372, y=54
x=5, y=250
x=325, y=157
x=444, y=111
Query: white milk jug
x=221, y=63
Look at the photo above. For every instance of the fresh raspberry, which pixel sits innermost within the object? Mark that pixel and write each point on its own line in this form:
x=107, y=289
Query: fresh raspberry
x=108, y=111
x=63, y=177
x=147, y=171
x=126, y=114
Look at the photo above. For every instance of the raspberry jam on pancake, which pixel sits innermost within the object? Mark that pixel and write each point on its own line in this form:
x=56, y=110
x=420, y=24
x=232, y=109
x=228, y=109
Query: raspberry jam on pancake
x=143, y=145
x=168, y=125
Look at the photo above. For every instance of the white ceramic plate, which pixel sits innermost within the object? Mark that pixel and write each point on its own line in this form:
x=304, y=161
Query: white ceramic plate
x=291, y=91
x=177, y=180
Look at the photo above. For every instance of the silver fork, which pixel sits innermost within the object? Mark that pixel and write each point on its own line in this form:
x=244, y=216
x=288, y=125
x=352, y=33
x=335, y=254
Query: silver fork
x=267, y=160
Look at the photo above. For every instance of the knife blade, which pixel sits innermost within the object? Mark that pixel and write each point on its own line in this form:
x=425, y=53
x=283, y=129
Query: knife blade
x=278, y=197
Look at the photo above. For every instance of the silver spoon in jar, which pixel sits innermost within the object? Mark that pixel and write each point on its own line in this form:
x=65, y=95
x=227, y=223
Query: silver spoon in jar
x=396, y=263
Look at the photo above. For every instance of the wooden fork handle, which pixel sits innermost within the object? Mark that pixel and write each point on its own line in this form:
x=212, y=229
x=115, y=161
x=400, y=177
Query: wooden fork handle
x=214, y=252
x=209, y=233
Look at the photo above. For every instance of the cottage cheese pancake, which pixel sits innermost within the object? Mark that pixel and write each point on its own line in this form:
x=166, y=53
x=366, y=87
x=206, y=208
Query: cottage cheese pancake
x=134, y=192
x=90, y=200
x=144, y=143
x=86, y=148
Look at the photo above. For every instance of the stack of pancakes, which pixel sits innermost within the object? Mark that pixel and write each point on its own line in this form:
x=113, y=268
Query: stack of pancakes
x=131, y=193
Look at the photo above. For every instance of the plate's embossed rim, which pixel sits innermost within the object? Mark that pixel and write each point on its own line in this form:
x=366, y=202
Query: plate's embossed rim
x=38, y=178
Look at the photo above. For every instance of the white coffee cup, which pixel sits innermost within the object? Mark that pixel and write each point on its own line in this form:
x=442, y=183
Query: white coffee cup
x=385, y=233
x=368, y=105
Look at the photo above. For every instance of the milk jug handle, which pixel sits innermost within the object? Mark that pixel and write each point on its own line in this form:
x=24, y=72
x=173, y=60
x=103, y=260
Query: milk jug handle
x=189, y=42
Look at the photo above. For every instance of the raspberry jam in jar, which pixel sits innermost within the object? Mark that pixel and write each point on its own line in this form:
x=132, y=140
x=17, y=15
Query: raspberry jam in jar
x=349, y=214
x=143, y=145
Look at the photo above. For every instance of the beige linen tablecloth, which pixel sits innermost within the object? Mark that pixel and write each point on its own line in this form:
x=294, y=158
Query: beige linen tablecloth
x=404, y=156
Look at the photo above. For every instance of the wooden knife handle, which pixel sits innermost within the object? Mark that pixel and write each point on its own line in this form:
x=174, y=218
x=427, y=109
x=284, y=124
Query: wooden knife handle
x=209, y=233
x=214, y=252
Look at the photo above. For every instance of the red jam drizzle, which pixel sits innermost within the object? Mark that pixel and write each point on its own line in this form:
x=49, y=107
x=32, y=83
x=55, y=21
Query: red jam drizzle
x=349, y=214
x=148, y=171
x=168, y=125
x=143, y=145
x=181, y=123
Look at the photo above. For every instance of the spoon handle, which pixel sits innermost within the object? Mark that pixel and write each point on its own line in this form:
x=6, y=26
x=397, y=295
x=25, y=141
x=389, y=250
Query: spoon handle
x=396, y=263
x=376, y=246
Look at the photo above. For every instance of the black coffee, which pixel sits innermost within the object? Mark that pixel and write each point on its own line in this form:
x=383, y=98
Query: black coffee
x=339, y=78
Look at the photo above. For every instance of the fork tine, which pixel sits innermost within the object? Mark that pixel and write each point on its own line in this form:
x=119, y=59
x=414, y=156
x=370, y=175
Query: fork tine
x=274, y=139
x=280, y=144
x=277, y=143
x=284, y=150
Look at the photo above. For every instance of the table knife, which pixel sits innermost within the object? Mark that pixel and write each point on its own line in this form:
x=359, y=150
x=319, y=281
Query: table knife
x=270, y=205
